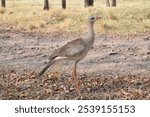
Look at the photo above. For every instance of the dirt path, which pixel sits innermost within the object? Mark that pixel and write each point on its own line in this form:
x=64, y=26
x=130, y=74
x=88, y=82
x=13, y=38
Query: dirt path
x=116, y=68
x=110, y=55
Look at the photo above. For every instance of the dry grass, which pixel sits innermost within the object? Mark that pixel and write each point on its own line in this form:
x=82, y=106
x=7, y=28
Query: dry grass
x=126, y=18
x=2, y=10
x=132, y=17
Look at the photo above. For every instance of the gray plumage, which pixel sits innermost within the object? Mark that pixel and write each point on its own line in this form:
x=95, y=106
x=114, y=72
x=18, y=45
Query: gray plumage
x=74, y=50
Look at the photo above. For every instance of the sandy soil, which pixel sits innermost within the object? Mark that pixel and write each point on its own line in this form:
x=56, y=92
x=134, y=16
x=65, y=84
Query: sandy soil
x=116, y=67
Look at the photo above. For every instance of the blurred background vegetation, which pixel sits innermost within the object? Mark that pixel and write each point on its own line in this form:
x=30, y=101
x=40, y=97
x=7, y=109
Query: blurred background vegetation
x=128, y=17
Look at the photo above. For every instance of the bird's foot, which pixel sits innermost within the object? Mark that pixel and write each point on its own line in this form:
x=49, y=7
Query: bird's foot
x=80, y=97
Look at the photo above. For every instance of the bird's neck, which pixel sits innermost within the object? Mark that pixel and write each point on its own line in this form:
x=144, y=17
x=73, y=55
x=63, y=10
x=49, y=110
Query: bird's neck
x=90, y=32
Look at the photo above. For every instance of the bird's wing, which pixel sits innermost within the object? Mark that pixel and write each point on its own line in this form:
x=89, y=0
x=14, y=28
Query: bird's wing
x=71, y=49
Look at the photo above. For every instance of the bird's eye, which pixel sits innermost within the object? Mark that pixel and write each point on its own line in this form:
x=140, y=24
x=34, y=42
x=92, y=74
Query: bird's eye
x=92, y=18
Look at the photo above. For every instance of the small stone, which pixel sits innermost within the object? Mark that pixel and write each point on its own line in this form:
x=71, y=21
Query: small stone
x=148, y=52
x=37, y=37
x=57, y=45
x=33, y=48
x=45, y=62
x=44, y=55
x=19, y=52
x=113, y=53
x=146, y=39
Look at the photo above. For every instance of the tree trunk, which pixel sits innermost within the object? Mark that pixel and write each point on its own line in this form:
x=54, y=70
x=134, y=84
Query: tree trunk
x=113, y=3
x=88, y=3
x=46, y=5
x=3, y=3
x=107, y=3
x=64, y=4
x=85, y=3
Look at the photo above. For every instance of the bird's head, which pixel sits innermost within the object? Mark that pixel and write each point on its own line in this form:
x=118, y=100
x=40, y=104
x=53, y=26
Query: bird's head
x=93, y=18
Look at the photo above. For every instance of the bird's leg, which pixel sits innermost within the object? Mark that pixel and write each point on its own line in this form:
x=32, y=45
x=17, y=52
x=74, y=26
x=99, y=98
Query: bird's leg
x=72, y=78
x=75, y=79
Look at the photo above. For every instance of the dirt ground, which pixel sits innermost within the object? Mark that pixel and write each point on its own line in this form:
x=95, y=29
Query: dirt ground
x=117, y=67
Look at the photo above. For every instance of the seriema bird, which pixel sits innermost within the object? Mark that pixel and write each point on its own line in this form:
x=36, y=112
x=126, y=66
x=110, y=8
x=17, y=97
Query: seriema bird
x=74, y=50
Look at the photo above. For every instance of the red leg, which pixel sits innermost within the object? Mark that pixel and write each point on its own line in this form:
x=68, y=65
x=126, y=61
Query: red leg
x=75, y=80
x=72, y=78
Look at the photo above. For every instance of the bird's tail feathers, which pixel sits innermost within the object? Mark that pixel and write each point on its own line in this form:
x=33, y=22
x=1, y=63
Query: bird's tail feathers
x=44, y=69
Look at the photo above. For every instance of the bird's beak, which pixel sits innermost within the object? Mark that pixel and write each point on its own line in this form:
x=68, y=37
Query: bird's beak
x=99, y=17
